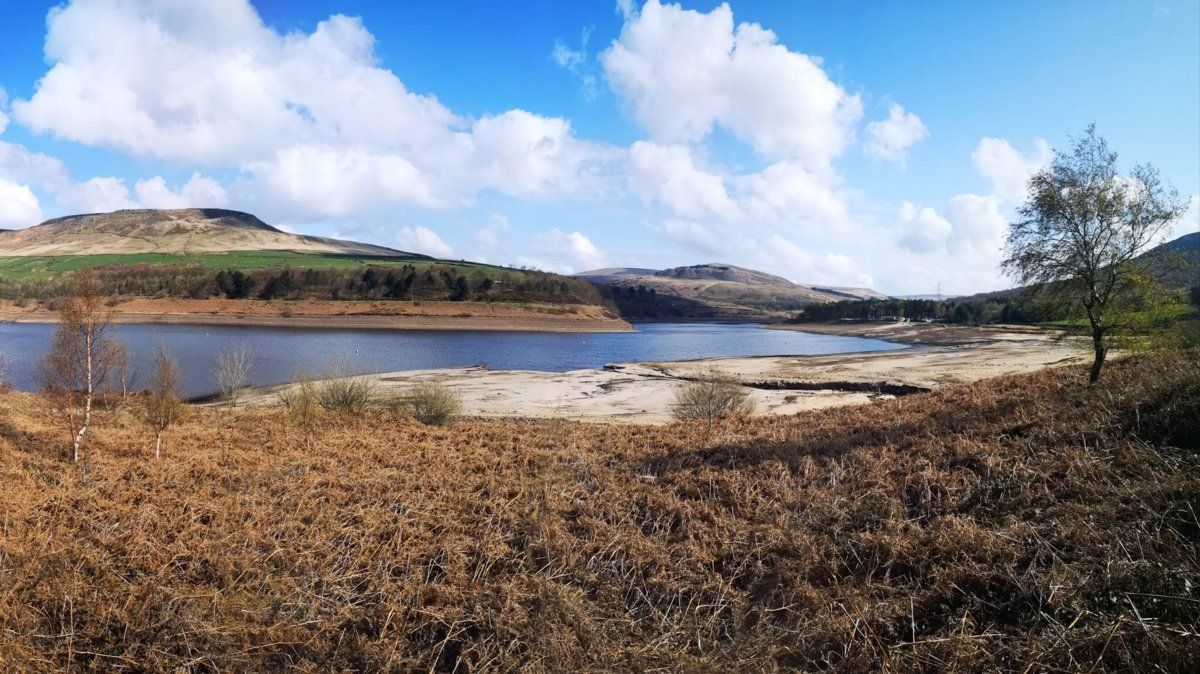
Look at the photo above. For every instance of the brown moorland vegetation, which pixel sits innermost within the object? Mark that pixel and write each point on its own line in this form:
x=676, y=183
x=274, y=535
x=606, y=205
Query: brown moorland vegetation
x=1029, y=522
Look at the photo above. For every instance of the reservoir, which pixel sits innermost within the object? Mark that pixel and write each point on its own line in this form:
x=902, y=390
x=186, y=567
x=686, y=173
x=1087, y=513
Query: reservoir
x=280, y=353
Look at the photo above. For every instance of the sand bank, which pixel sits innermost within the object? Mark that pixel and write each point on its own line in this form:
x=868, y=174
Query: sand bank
x=644, y=392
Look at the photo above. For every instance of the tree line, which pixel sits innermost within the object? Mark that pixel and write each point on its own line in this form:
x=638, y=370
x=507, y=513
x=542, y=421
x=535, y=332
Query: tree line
x=967, y=310
x=370, y=282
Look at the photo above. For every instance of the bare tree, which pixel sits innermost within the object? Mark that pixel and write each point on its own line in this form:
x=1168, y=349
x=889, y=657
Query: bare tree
x=712, y=396
x=81, y=358
x=164, y=403
x=1081, y=228
x=124, y=374
x=232, y=369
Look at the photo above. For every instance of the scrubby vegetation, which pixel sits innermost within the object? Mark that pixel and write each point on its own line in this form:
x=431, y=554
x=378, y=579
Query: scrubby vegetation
x=1025, y=523
x=346, y=393
x=710, y=397
x=430, y=403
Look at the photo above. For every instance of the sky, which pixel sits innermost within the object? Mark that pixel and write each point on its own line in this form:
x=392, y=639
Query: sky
x=882, y=144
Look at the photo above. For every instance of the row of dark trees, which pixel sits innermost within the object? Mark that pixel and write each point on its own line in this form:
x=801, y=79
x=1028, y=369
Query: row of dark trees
x=1017, y=309
x=370, y=282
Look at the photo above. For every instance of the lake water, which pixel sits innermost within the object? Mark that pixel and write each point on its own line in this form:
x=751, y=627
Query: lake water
x=281, y=352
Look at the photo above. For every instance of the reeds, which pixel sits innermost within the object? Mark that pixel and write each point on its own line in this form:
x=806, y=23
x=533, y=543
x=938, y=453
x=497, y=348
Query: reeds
x=1020, y=523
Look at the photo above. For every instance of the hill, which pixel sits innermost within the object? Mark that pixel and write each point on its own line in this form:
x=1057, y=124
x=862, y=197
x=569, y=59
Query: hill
x=187, y=231
x=1176, y=262
x=1028, y=523
x=205, y=253
x=712, y=291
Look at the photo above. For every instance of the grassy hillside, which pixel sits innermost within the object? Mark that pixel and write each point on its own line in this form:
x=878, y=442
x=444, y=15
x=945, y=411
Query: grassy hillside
x=175, y=231
x=214, y=253
x=22, y=268
x=1026, y=523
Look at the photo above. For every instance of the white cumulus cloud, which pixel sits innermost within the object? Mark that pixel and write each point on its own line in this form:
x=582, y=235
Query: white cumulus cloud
x=19, y=207
x=681, y=72
x=198, y=192
x=1007, y=168
x=832, y=268
x=423, y=240
x=564, y=252
x=320, y=128
x=668, y=174
x=922, y=230
x=891, y=138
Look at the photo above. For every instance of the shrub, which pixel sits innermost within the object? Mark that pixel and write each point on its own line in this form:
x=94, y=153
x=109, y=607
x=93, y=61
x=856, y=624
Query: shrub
x=346, y=394
x=231, y=370
x=346, y=389
x=430, y=403
x=710, y=397
x=303, y=409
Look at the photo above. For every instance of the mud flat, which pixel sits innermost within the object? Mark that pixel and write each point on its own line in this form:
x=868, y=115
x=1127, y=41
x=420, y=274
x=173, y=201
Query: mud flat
x=940, y=355
x=390, y=315
x=644, y=392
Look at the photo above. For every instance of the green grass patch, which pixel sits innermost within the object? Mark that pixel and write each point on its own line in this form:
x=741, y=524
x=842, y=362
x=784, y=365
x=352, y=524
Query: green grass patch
x=1177, y=313
x=42, y=267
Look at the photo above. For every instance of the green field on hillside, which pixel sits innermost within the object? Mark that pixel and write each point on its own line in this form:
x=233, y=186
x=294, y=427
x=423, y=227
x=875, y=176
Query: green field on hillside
x=1181, y=312
x=41, y=267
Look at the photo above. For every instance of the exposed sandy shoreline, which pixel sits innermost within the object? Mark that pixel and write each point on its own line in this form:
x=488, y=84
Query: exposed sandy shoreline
x=644, y=392
x=391, y=315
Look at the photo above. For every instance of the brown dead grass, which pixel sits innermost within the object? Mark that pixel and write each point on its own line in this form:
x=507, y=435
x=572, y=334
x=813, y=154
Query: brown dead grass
x=352, y=308
x=1024, y=522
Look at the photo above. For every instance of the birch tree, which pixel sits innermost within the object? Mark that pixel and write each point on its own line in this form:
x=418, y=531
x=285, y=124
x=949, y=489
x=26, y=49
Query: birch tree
x=1081, y=229
x=164, y=403
x=81, y=358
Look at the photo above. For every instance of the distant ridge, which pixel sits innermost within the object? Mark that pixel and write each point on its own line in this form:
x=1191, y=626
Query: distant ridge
x=176, y=231
x=713, y=290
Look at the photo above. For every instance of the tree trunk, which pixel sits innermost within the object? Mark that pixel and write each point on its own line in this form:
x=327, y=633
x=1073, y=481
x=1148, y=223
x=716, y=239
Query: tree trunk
x=1101, y=352
x=87, y=398
x=157, y=444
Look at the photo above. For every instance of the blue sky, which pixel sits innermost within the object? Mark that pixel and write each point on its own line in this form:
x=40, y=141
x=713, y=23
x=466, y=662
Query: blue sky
x=834, y=143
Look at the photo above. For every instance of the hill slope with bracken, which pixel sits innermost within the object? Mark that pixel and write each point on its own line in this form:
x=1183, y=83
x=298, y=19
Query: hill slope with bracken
x=713, y=290
x=186, y=231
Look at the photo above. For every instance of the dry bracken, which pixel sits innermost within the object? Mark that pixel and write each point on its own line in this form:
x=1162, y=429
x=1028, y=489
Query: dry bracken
x=1024, y=522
